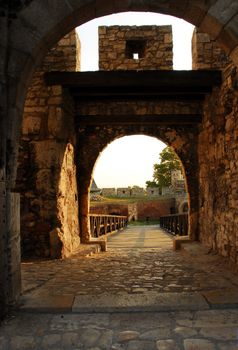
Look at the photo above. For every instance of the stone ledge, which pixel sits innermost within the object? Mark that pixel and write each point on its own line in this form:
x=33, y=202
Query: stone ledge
x=47, y=303
x=179, y=241
x=145, y=302
x=93, y=247
x=100, y=241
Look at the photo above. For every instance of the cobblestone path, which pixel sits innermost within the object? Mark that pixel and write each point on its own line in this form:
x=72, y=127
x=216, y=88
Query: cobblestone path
x=197, y=330
x=138, y=260
x=198, y=289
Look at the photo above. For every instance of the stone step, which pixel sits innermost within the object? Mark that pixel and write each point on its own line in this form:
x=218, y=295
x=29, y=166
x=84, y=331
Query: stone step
x=145, y=302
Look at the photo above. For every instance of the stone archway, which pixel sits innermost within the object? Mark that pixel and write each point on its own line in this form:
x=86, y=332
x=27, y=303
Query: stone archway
x=27, y=36
x=94, y=139
x=41, y=25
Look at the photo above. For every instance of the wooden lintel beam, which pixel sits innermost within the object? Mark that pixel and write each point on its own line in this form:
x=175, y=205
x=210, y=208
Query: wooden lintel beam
x=142, y=94
x=182, y=119
x=135, y=79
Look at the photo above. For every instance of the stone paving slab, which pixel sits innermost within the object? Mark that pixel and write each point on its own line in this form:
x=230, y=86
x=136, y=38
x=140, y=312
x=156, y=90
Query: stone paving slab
x=47, y=303
x=222, y=298
x=149, y=301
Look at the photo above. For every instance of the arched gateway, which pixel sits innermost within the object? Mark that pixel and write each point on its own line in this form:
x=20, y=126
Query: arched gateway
x=29, y=29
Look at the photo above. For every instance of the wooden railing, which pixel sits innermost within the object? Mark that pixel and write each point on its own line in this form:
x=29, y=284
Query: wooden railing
x=177, y=224
x=103, y=224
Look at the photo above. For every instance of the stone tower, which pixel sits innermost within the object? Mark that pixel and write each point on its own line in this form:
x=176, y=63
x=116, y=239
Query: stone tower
x=135, y=48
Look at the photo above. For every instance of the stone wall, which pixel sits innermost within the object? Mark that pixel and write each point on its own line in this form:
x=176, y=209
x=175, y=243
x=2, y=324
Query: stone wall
x=153, y=191
x=109, y=209
x=218, y=159
x=153, y=210
x=109, y=191
x=132, y=47
x=138, y=107
x=206, y=53
x=218, y=152
x=124, y=192
x=137, y=192
x=46, y=171
x=135, y=211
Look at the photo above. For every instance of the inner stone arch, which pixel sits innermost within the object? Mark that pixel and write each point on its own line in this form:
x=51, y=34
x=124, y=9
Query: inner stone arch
x=122, y=171
x=89, y=151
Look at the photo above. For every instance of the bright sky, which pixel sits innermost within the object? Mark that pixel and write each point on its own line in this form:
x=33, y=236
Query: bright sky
x=129, y=161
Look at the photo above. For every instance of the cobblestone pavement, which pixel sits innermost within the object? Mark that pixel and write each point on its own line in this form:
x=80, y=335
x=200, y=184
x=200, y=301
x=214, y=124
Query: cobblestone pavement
x=201, y=330
x=139, y=261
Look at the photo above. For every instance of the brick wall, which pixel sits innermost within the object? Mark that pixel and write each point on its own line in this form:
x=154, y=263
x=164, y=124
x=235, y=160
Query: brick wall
x=119, y=44
x=154, y=209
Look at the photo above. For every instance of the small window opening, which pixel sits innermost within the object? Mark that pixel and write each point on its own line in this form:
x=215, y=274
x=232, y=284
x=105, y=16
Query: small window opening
x=135, y=56
x=135, y=49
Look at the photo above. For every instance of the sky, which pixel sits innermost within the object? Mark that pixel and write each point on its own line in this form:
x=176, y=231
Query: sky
x=129, y=161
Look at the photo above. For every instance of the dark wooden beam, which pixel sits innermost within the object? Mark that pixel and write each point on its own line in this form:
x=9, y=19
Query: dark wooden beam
x=136, y=79
x=128, y=85
x=176, y=119
x=145, y=95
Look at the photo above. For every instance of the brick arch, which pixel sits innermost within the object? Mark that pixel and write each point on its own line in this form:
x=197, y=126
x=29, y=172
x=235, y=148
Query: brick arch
x=94, y=139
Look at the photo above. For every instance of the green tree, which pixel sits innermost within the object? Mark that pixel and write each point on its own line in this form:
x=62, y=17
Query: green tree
x=151, y=184
x=162, y=171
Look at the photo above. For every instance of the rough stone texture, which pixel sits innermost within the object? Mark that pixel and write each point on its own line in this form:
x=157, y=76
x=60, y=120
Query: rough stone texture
x=206, y=53
x=153, y=191
x=123, y=192
x=218, y=158
x=46, y=171
x=168, y=344
x=153, y=44
x=198, y=344
x=154, y=209
x=109, y=192
x=109, y=209
x=139, y=107
x=66, y=331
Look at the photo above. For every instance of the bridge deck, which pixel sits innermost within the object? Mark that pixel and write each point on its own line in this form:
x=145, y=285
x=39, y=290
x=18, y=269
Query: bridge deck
x=140, y=237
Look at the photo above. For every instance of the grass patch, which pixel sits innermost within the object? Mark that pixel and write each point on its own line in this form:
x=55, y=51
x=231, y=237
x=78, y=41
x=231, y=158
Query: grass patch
x=128, y=200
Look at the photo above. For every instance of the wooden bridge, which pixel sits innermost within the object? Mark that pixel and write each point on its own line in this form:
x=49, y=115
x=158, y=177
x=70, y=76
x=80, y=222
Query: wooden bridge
x=176, y=224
